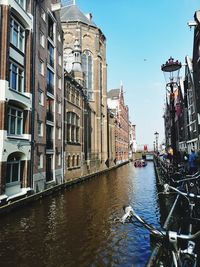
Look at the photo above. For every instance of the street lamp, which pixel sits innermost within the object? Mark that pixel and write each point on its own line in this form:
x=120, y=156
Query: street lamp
x=171, y=71
x=156, y=136
x=154, y=146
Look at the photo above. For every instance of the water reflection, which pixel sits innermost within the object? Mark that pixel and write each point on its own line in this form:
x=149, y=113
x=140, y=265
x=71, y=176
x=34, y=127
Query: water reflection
x=76, y=227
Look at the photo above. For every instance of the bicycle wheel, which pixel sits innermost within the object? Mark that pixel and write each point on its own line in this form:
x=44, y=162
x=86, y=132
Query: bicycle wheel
x=188, y=261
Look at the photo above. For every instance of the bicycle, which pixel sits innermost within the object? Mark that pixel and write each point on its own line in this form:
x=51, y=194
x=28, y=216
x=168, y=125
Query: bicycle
x=169, y=240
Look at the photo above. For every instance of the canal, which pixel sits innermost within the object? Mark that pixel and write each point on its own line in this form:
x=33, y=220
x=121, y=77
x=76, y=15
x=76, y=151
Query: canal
x=76, y=227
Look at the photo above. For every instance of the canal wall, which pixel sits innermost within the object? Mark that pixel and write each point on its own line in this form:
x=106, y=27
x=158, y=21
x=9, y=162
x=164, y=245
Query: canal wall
x=19, y=203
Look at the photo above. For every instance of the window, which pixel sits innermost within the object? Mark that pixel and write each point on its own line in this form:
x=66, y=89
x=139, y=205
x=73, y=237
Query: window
x=50, y=28
x=49, y=167
x=40, y=161
x=41, y=67
x=50, y=54
x=15, y=121
x=59, y=133
x=42, y=39
x=16, y=81
x=13, y=169
x=73, y=161
x=68, y=161
x=87, y=65
x=77, y=160
x=17, y=34
x=40, y=97
x=59, y=83
x=40, y=128
x=59, y=107
x=50, y=109
x=50, y=81
x=43, y=14
x=73, y=128
x=59, y=159
x=22, y=3
x=59, y=59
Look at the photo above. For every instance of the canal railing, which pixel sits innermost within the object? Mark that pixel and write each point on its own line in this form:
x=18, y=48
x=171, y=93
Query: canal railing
x=164, y=172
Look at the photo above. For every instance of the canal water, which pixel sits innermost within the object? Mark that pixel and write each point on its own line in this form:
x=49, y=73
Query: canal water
x=76, y=227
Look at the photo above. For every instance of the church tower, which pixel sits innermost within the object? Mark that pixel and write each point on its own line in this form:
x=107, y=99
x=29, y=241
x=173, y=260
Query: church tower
x=85, y=43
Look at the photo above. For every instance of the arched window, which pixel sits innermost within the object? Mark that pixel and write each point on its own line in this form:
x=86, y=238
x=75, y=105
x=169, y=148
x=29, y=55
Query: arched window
x=87, y=65
x=68, y=161
x=73, y=161
x=13, y=169
x=77, y=160
x=73, y=127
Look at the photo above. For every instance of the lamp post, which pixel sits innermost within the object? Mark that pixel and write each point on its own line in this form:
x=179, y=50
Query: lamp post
x=171, y=71
x=156, y=136
x=154, y=146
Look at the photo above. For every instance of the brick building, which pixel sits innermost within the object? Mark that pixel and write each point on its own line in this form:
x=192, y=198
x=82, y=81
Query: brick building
x=121, y=114
x=16, y=24
x=48, y=91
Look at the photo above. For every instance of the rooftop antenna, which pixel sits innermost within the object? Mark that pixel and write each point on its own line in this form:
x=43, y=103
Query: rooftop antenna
x=68, y=2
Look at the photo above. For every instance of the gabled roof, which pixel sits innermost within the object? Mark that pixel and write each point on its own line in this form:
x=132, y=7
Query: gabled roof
x=73, y=14
x=113, y=93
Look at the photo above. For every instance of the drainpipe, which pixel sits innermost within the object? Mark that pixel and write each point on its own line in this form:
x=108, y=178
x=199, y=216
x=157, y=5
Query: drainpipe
x=33, y=94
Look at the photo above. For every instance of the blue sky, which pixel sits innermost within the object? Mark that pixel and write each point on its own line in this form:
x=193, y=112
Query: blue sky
x=137, y=30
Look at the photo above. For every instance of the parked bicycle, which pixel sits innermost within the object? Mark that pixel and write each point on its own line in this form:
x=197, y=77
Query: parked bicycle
x=177, y=255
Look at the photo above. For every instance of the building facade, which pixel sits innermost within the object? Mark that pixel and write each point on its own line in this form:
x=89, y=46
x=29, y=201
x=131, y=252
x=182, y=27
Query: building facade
x=77, y=129
x=121, y=114
x=77, y=26
x=47, y=154
x=132, y=140
x=16, y=24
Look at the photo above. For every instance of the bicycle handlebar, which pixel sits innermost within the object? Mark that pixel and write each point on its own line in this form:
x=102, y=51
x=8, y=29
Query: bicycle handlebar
x=187, y=178
x=190, y=195
x=129, y=213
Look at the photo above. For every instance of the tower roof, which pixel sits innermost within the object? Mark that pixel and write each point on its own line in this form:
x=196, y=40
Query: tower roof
x=72, y=13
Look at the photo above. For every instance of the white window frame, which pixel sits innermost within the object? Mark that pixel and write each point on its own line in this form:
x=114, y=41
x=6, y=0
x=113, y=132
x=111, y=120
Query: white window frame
x=59, y=159
x=22, y=3
x=41, y=97
x=59, y=108
x=40, y=129
x=19, y=76
x=16, y=121
x=41, y=67
x=12, y=163
x=59, y=133
x=42, y=39
x=41, y=161
x=59, y=83
x=16, y=28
